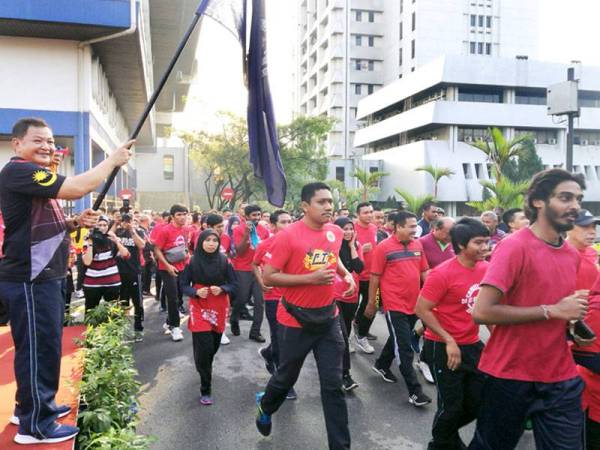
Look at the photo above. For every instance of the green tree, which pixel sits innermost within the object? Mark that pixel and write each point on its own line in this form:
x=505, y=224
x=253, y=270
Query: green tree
x=437, y=173
x=525, y=166
x=504, y=194
x=368, y=181
x=414, y=203
x=500, y=151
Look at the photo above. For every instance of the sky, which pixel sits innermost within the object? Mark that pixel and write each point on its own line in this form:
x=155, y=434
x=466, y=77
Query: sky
x=566, y=34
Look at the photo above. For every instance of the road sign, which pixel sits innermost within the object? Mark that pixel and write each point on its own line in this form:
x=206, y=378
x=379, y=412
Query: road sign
x=227, y=194
x=126, y=194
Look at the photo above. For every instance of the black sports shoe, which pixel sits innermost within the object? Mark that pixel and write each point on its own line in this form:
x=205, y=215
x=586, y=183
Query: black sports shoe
x=348, y=383
x=263, y=420
x=235, y=328
x=386, y=374
x=419, y=399
x=257, y=337
x=269, y=364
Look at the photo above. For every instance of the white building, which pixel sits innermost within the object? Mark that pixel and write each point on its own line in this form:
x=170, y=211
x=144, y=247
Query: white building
x=431, y=115
x=88, y=67
x=348, y=49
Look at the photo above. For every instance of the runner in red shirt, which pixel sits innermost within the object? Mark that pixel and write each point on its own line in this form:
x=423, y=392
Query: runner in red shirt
x=171, y=250
x=304, y=263
x=246, y=238
x=399, y=266
x=351, y=257
x=529, y=294
x=280, y=220
x=582, y=237
x=452, y=347
x=366, y=236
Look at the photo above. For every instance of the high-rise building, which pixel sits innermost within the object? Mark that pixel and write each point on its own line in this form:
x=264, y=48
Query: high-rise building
x=348, y=49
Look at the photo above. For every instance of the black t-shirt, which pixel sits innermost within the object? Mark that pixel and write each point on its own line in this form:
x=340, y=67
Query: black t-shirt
x=36, y=241
x=131, y=265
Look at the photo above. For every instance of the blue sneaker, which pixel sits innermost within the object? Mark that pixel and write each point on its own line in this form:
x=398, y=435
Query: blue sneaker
x=59, y=433
x=415, y=342
x=291, y=395
x=263, y=420
x=62, y=410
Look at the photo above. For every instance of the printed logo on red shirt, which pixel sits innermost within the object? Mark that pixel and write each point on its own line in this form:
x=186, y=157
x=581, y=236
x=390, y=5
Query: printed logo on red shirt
x=471, y=295
x=330, y=236
x=316, y=259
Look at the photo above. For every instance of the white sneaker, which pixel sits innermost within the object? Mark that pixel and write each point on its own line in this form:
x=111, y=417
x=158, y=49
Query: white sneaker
x=363, y=344
x=167, y=328
x=424, y=368
x=224, y=339
x=79, y=294
x=176, y=334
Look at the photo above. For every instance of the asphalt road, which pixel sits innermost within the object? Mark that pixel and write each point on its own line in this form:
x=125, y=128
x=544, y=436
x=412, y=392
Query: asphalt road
x=380, y=416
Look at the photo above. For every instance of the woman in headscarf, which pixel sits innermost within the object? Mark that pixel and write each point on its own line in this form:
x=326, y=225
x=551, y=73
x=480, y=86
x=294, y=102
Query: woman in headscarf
x=208, y=280
x=351, y=257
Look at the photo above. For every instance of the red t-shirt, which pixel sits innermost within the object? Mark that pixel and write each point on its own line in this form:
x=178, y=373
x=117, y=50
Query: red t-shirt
x=225, y=243
x=263, y=256
x=588, y=268
x=591, y=394
x=366, y=235
x=531, y=272
x=170, y=236
x=301, y=250
x=454, y=288
x=399, y=267
x=243, y=261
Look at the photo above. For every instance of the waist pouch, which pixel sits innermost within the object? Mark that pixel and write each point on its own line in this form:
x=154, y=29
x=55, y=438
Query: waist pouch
x=176, y=254
x=589, y=360
x=313, y=320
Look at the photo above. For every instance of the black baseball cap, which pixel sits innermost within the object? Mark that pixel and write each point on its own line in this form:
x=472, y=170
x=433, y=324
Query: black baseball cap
x=585, y=218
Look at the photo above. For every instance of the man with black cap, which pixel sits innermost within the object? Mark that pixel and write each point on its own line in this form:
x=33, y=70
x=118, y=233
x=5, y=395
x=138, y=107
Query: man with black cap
x=582, y=237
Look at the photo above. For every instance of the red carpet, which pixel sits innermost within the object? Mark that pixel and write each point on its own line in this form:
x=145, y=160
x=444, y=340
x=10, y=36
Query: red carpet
x=70, y=376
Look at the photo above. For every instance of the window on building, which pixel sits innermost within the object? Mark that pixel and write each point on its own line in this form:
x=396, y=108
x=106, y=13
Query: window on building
x=467, y=171
x=370, y=88
x=488, y=21
x=340, y=174
x=479, y=171
x=371, y=41
x=530, y=96
x=358, y=39
x=401, y=6
x=480, y=48
x=472, y=47
x=358, y=15
x=488, y=49
x=357, y=64
x=371, y=16
x=414, y=21
x=586, y=138
x=412, y=49
x=357, y=89
x=412, y=69
x=485, y=95
x=371, y=65
x=400, y=57
x=353, y=110
x=472, y=134
x=401, y=31
x=168, y=167
x=589, y=99
x=480, y=21
x=473, y=20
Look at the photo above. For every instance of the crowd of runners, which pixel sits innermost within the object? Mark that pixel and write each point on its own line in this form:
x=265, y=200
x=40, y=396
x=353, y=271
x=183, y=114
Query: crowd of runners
x=321, y=275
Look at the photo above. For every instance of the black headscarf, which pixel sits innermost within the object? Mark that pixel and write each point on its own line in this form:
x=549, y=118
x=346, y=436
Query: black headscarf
x=345, y=254
x=209, y=269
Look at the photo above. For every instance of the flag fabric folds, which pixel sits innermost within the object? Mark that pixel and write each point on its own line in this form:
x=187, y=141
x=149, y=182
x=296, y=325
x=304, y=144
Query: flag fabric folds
x=262, y=129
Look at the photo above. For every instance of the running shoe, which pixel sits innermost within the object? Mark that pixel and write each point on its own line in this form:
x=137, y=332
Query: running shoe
x=348, y=383
x=166, y=328
x=363, y=344
x=176, y=334
x=62, y=410
x=269, y=365
x=263, y=420
x=419, y=399
x=59, y=433
x=386, y=374
x=225, y=340
x=291, y=395
x=206, y=400
x=424, y=368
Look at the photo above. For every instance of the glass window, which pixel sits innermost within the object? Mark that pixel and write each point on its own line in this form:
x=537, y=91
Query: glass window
x=357, y=89
x=473, y=20
x=358, y=16
x=488, y=21
x=488, y=49
x=401, y=31
x=370, y=88
x=412, y=49
x=357, y=64
x=168, y=167
x=340, y=174
x=400, y=57
x=358, y=39
x=480, y=21
x=472, y=47
x=371, y=66
x=371, y=41
x=371, y=16
x=414, y=21
x=480, y=48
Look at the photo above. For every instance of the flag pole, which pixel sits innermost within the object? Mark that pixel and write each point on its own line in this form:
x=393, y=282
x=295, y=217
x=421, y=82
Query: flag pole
x=154, y=97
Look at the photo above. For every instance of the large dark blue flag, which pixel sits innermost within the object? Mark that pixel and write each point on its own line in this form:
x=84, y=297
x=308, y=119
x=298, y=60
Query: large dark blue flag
x=262, y=129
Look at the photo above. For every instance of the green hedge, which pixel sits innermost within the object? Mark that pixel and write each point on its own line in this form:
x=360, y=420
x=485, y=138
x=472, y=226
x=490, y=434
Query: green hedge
x=109, y=389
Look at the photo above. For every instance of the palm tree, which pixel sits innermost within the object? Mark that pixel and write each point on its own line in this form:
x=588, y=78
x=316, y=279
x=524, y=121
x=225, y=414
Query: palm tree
x=504, y=194
x=367, y=180
x=436, y=173
x=414, y=203
x=500, y=151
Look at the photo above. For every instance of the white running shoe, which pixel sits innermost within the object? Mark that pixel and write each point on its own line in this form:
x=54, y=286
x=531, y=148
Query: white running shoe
x=176, y=334
x=224, y=339
x=351, y=347
x=363, y=344
x=166, y=328
x=424, y=368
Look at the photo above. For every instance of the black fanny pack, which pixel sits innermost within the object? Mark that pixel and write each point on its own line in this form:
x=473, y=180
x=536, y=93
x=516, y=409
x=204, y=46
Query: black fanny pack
x=313, y=320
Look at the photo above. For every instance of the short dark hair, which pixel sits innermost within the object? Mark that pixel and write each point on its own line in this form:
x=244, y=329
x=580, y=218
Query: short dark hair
x=400, y=218
x=196, y=217
x=21, y=127
x=165, y=214
x=213, y=219
x=250, y=209
x=466, y=229
x=274, y=218
x=309, y=190
x=362, y=205
x=178, y=208
x=509, y=215
x=427, y=205
x=542, y=186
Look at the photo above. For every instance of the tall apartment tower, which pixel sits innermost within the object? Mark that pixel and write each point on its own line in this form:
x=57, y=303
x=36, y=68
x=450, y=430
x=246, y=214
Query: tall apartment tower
x=348, y=49
x=339, y=60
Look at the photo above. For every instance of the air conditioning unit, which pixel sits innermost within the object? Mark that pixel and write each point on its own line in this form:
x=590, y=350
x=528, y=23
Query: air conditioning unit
x=584, y=142
x=468, y=138
x=552, y=141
